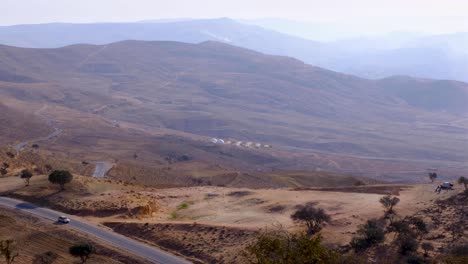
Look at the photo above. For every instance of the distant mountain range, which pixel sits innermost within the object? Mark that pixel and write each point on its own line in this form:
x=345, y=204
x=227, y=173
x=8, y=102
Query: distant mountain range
x=437, y=57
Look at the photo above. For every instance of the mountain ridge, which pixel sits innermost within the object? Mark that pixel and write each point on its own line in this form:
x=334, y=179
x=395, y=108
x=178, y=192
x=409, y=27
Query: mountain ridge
x=367, y=59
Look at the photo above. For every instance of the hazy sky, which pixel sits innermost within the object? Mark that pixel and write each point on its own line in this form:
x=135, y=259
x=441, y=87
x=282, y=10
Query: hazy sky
x=423, y=15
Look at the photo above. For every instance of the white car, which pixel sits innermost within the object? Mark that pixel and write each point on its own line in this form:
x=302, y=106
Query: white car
x=63, y=220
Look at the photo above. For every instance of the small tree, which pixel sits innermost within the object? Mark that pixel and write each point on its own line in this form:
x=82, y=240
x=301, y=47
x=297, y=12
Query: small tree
x=60, y=177
x=6, y=250
x=389, y=202
x=26, y=175
x=464, y=181
x=284, y=248
x=426, y=246
x=83, y=251
x=432, y=176
x=313, y=217
x=369, y=234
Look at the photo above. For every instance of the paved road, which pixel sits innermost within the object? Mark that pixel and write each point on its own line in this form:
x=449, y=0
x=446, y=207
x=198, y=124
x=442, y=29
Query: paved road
x=21, y=146
x=102, y=167
x=57, y=131
x=140, y=249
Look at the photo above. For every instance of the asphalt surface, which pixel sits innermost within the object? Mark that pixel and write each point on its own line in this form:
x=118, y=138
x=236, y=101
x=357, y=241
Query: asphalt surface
x=102, y=167
x=152, y=254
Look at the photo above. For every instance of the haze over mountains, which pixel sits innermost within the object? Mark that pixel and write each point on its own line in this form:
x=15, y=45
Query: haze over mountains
x=436, y=57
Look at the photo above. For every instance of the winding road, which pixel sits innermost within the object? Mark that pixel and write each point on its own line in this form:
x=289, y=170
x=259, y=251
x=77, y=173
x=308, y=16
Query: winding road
x=152, y=254
x=102, y=167
x=57, y=131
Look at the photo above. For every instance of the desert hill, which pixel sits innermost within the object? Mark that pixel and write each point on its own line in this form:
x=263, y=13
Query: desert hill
x=19, y=125
x=217, y=90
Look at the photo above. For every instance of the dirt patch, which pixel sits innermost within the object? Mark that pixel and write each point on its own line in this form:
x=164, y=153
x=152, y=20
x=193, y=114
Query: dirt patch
x=383, y=189
x=86, y=196
x=253, y=201
x=277, y=208
x=240, y=193
x=201, y=243
x=211, y=195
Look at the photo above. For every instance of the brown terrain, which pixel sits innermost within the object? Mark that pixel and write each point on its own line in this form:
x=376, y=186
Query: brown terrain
x=162, y=101
x=150, y=110
x=214, y=224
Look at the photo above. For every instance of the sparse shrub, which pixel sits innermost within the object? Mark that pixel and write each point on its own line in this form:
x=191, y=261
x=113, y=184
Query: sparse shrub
x=456, y=229
x=314, y=218
x=174, y=215
x=35, y=146
x=211, y=195
x=7, y=251
x=48, y=167
x=451, y=259
x=197, y=181
x=359, y=183
x=3, y=171
x=83, y=251
x=432, y=176
x=419, y=226
x=238, y=193
x=414, y=259
x=464, y=181
x=409, y=227
x=407, y=244
x=61, y=178
x=400, y=227
x=26, y=175
x=38, y=170
x=5, y=165
x=426, y=246
x=460, y=250
x=183, y=205
x=10, y=155
x=48, y=257
x=283, y=248
x=369, y=234
x=388, y=202
x=184, y=158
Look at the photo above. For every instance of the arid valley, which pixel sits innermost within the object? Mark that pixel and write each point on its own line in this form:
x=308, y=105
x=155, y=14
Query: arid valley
x=219, y=140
